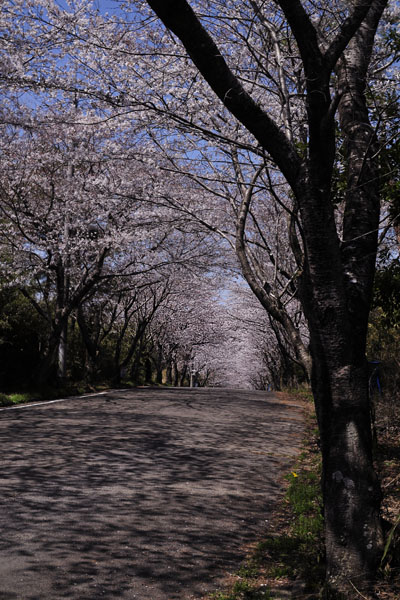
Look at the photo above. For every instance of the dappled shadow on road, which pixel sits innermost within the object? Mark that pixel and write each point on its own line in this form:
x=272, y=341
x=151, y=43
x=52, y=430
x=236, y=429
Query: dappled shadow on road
x=149, y=494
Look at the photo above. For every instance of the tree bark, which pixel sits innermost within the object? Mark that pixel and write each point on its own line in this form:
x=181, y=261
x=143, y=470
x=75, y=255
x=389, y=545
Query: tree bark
x=175, y=374
x=49, y=366
x=168, y=376
x=340, y=279
x=62, y=353
x=91, y=344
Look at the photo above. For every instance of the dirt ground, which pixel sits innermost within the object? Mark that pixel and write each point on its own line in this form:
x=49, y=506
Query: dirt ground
x=148, y=494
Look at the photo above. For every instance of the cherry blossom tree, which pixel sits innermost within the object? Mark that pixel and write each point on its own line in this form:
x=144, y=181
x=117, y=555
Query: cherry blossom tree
x=73, y=218
x=113, y=322
x=272, y=364
x=237, y=188
x=187, y=327
x=279, y=87
x=138, y=312
x=82, y=209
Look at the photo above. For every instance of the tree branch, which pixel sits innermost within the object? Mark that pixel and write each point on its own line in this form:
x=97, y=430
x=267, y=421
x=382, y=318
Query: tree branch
x=179, y=17
x=303, y=30
x=348, y=29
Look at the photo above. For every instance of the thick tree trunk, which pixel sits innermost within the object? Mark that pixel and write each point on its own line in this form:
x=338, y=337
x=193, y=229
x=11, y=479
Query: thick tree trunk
x=336, y=307
x=47, y=367
x=337, y=290
x=351, y=491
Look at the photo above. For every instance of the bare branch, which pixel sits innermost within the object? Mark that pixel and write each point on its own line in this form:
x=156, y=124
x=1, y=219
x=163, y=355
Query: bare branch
x=178, y=16
x=347, y=31
x=303, y=30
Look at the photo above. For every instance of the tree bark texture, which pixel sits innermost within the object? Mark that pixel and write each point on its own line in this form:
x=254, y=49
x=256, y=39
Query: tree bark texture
x=338, y=289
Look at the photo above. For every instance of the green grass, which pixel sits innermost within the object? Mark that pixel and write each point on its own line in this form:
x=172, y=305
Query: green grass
x=304, y=393
x=249, y=569
x=243, y=590
x=298, y=552
x=304, y=495
x=5, y=400
x=49, y=393
x=16, y=398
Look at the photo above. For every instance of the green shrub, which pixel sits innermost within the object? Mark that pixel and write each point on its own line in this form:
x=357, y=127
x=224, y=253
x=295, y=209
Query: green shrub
x=5, y=400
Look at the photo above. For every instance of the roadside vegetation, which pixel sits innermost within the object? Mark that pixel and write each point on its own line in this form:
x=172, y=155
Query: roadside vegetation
x=49, y=393
x=288, y=563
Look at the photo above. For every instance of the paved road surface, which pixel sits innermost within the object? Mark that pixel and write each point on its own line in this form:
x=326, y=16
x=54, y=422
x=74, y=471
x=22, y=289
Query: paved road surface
x=143, y=494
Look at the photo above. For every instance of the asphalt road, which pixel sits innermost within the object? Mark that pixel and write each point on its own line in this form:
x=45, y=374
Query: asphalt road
x=147, y=494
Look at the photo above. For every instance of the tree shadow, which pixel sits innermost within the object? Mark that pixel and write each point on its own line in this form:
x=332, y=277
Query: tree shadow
x=150, y=494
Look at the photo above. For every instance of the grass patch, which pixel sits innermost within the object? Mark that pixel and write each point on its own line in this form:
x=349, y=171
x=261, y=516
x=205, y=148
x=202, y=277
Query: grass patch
x=21, y=398
x=298, y=552
x=16, y=398
x=244, y=590
x=304, y=496
x=50, y=393
x=302, y=393
x=5, y=400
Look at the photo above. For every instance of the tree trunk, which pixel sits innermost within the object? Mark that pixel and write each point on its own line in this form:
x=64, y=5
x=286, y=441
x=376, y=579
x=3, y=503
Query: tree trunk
x=168, y=376
x=351, y=492
x=158, y=364
x=182, y=377
x=159, y=374
x=62, y=353
x=48, y=367
x=354, y=537
x=335, y=305
x=90, y=367
x=148, y=370
x=91, y=345
x=175, y=374
x=136, y=342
